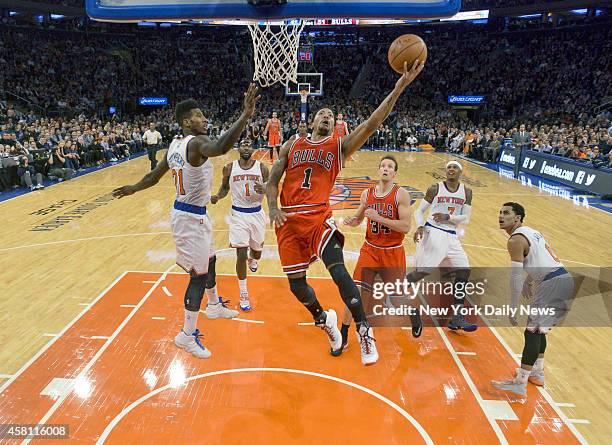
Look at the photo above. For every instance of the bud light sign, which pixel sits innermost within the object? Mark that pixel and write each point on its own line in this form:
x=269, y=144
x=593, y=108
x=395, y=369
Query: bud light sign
x=153, y=101
x=471, y=100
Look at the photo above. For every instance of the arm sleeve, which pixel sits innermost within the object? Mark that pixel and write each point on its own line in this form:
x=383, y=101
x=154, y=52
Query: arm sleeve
x=516, y=283
x=464, y=217
x=419, y=214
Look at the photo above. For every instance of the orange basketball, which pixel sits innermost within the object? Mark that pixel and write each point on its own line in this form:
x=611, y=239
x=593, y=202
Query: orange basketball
x=406, y=48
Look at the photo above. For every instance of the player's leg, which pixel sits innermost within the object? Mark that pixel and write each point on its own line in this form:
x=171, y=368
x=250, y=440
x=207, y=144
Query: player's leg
x=257, y=236
x=216, y=307
x=461, y=266
x=187, y=233
x=326, y=320
x=363, y=277
x=239, y=238
x=293, y=239
x=394, y=270
x=333, y=258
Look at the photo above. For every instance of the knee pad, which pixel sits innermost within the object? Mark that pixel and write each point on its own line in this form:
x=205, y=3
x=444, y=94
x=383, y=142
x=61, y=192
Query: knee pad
x=532, y=347
x=332, y=254
x=194, y=293
x=212, y=273
x=303, y=292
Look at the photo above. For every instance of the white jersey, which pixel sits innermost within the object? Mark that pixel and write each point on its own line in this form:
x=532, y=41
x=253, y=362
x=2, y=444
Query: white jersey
x=193, y=184
x=540, y=260
x=447, y=202
x=241, y=185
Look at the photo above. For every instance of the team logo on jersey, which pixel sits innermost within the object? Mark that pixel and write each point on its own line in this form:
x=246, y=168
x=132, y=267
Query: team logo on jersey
x=176, y=158
x=347, y=192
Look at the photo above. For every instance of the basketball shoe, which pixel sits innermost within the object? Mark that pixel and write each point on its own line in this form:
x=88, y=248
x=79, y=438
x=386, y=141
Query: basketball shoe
x=252, y=262
x=329, y=325
x=245, y=303
x=516, y=387
x=192, y=344
x=367, y=342
x=459, y=323
x=220, y=310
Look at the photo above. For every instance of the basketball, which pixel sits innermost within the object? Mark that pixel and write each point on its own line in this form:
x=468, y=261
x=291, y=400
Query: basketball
x=406, y=48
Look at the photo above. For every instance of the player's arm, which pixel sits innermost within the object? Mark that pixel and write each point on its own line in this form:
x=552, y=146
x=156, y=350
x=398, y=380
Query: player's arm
x=225, y=143
x=149, y=180
x=265, y=132
x=419, y=214
x=261, y=187
x=224, y=188
x=355, y=140
x=354, y=221
x=517, y=245
x=404, y=223
x=277, y=216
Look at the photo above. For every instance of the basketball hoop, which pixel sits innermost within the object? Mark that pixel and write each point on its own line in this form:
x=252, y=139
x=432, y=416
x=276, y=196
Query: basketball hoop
x=275, y=48
x=304, y=96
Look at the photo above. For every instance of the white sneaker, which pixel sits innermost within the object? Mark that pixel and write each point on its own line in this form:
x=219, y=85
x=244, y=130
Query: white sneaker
x=365, y=337
x=245, y=303
x=220, y=310
x=513, y=387
x=192, y=344
x=333, y=333
x=252, y=262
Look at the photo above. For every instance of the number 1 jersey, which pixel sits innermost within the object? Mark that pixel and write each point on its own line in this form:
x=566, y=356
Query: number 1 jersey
x=312, y=169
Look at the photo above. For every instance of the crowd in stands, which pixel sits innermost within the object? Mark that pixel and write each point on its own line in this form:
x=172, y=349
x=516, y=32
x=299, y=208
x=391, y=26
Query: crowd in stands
x=471, y=5
x=547, y=80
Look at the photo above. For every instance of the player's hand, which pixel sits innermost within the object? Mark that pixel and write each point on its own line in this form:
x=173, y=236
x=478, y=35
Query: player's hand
x=250, y=99
x=351, y=221
x=126, y=190
x=277, y=217
x=440, y=217
x=418, y=234
x=372, y=215
x=214, y=199
x=409, y=74
x=259, y=187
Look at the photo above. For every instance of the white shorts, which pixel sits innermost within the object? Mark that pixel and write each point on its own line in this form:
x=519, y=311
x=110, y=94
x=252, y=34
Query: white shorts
x=439, y=248
x=193, y=237
x=247, y=229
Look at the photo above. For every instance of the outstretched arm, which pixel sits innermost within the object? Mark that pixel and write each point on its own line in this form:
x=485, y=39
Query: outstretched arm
x=225, y=184
x=354, y=221
x=355, y=140
x=208, y=148
x=277, y=216
x=404, y=223
x=149, y=180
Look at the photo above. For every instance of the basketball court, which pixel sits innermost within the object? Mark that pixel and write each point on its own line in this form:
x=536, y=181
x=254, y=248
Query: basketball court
x=97, y=353
x=93, y=300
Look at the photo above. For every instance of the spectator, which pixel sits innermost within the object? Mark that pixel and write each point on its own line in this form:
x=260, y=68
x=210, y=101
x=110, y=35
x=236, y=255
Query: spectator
x=26, y=172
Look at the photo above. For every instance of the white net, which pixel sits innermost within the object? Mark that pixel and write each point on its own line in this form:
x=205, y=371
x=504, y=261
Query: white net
x=275, y=50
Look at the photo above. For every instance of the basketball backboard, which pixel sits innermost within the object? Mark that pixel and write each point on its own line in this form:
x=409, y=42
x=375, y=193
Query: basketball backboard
x=160, y=10
x=311, y=82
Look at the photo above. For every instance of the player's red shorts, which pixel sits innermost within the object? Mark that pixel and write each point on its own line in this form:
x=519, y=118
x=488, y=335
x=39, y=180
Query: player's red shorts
x=388, y=263
x=303, y=237
x=274, y=140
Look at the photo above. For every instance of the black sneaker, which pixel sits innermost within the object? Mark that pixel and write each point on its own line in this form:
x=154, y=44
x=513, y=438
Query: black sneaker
x=417, y=325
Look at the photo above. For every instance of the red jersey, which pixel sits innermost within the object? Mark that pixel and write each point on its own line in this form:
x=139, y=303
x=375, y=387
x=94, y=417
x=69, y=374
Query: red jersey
x=312, y=169
x=377, y=234
x=340, y=129
x=274, y=126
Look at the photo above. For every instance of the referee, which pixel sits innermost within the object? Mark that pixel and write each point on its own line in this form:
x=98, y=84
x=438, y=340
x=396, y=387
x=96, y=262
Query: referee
x=152, y=139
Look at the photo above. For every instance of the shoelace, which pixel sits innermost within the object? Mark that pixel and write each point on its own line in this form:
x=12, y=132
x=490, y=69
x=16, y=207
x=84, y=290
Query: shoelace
x=224, y=303
x=365, y=341
x=197, y=336
x=329, y=331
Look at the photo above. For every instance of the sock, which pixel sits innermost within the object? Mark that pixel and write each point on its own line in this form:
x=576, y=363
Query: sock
x=344, y=331
x=522, y=375
x=191, y=318
x=539, y=364
x=242, y=284
x=213, y=296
